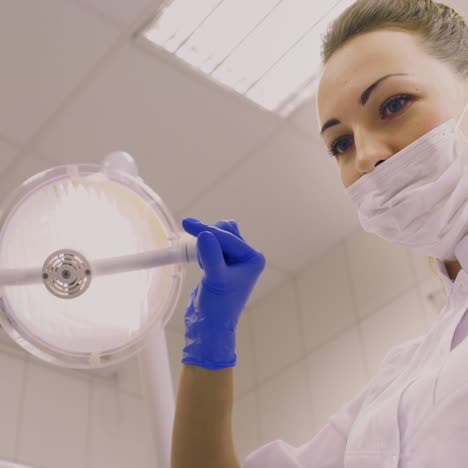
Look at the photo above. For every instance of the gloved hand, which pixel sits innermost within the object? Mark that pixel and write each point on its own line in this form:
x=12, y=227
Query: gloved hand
x=231, y=269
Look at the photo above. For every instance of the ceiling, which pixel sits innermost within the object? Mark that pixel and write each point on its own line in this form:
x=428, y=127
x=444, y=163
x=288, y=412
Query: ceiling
x=76, y=84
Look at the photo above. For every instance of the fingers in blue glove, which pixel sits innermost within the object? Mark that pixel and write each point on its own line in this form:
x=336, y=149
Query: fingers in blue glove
x=211, y=254
x=230, y=244
x=230, y=226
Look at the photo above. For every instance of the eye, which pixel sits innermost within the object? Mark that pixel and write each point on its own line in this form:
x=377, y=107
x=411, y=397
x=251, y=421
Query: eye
x=390, y=103
x=394, y=104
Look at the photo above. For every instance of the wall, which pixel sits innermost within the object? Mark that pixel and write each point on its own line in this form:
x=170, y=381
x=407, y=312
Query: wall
x=309, y=347
x=53, y=418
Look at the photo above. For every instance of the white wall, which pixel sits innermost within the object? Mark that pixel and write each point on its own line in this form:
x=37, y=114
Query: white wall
x=53, y=418
x=309, y=347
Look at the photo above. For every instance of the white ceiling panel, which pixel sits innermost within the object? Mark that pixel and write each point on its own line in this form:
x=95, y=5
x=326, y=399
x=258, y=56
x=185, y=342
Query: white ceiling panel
x=7, y=154
x=305, y=118
x=268, y=280
x=46, y=49
x=267, y=50
x=288, y=200
x=183, y=132
x=124, y=12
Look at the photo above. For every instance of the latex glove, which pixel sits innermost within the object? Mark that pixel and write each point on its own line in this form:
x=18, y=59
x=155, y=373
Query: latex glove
x=231, y=269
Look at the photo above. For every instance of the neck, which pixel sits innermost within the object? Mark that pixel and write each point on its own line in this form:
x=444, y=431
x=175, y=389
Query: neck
x=453, y=267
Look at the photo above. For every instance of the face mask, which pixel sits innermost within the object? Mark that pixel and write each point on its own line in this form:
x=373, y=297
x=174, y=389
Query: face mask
x=419, y=197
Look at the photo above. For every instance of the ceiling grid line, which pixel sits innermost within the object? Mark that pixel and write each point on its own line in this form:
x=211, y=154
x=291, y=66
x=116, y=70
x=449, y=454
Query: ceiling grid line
x=203, y=21
x=291, y=47
x=229, y=54
x=234, y=52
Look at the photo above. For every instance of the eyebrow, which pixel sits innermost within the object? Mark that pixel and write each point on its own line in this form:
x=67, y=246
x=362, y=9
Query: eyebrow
x=363, y=99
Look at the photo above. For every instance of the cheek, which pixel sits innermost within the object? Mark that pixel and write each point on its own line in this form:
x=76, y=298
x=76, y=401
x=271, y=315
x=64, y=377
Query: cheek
x=433, y=120
x=421, y=124
x=436, y=112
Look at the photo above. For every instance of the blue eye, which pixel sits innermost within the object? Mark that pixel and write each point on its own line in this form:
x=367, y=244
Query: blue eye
x=389, y=104
x=333, y=150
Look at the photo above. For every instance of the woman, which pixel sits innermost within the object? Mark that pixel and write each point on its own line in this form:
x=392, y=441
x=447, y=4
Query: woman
x=391, y=101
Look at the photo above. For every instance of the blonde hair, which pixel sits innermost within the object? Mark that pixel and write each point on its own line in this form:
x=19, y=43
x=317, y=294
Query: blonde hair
x=441, y=31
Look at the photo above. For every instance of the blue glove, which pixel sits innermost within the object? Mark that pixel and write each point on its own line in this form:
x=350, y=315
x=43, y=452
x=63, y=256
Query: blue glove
x=231, y=269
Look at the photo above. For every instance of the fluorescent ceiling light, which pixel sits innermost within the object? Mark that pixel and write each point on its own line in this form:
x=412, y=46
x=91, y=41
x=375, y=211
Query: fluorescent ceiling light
x=267, y=50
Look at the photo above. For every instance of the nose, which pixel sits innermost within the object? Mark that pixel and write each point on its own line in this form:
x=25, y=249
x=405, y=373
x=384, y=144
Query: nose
x=370, y=152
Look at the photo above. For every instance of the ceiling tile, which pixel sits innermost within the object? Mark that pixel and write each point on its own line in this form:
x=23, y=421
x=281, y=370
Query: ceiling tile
x=305, y=118
x=44, y=56
x=288, y=200
x=7, y=154
x=183, y=133
x=121, y=11
x=266, y=283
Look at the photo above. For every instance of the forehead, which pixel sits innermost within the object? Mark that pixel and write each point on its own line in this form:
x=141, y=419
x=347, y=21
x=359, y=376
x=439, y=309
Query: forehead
x=363, y=59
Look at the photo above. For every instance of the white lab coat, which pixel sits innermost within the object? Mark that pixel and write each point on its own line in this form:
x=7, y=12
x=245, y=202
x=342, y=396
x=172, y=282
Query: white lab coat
x=412, y=414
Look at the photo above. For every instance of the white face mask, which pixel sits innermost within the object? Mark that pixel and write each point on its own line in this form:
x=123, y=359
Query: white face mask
x=419, y=197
